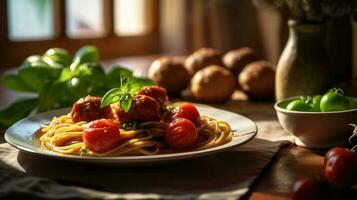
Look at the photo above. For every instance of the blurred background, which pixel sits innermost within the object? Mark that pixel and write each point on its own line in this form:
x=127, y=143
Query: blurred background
x=140, y=27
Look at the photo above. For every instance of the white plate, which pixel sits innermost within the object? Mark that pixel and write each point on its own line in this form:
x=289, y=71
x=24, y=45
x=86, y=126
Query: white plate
x=22, y=135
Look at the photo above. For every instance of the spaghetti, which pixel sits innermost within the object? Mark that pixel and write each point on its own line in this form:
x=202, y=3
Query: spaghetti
x=64, y=136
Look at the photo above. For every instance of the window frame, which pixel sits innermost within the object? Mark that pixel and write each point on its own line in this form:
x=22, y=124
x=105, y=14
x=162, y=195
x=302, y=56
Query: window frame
x=12, y=53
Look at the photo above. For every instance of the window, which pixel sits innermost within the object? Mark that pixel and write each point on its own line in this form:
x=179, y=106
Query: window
x=30, y=20
x=130, y=17
x=114, y=26
x=85, y=19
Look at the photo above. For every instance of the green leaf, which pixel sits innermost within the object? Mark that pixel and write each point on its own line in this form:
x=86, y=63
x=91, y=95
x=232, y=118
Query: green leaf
x=54, y=95
x=112, y=96
x=59, y=55
x=128, y=86
x=35, y=77
x=86, y=54
x=65, y=75
x=114, y=76
x=17, y=110
x=137, y=83
x=78, y=88
x=125, y=102
x=96, y=76
x=143, y=81
x=51, y=63
x=14, y=82
x=33, y=60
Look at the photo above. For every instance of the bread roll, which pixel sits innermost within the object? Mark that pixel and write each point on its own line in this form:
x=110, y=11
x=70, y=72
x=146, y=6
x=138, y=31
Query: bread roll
x=257, y=80
x=212, y=84
x=202, y=58
x=236, y=60
x=169, y=73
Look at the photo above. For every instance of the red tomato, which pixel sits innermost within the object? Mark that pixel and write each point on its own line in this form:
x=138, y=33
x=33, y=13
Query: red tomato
x=188, y=111
x=181, y=134
x=101, y=135
x=341, y=167
x=306, y=189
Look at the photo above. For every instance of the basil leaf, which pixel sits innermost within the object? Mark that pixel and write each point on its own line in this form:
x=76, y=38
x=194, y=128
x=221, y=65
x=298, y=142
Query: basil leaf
x=92, y=73
x=134, y=88
x=125, y=102
x=113, y=77
x=77, y=87
x=112, y=96
x=86, y=54
x=137, y=83
x=35, y=77
x=33, y=61
x=97, y=76
x=14, y=82
x=17, y=110
x=51, y=63
x=65, y=75
x=59, y=55
x=53, y=95
x=143, y=81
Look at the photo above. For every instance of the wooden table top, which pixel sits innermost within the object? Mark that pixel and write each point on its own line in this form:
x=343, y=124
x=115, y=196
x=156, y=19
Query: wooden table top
x=290, y=163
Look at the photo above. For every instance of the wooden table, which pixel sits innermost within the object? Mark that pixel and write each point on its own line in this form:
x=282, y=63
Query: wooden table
x=290, y=163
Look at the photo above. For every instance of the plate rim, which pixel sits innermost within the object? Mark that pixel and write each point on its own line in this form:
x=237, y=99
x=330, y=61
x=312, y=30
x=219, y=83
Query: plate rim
x=249, y=135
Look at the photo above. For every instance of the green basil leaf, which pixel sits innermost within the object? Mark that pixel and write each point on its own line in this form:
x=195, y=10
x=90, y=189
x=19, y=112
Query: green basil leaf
x=14, y=82
x=134, y=88
x=112, y=96
x=65, y=75
x=143, y=81
x=96, y=76
x=17, y=110
x=77, y=87
x=35, y=77
x=53, y=95
x=33, y=60
x=87, y=54
x=125, y=102
x=114, y=76
x=51, y=63
x=97, y=90
x=137, y=83
x=59, y=55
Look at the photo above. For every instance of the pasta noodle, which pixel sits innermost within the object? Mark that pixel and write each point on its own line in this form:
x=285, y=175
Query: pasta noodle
x=63, y=136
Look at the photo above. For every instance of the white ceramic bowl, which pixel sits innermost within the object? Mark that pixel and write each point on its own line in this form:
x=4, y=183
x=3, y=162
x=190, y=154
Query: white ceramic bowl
x=316, y=129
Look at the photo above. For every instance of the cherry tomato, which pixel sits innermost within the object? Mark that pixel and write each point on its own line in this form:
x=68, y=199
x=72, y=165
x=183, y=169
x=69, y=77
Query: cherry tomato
x=299, y=105
x=334, y=100
x=341, y=167
x=306, y=189
x=188, y=111
x=181, y=134
x=101, y=135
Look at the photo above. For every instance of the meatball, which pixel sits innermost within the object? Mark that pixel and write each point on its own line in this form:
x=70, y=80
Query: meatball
x=236, y=60
x=143, y=108
x=202, y=58
x=169, y=73
x=88, y=109
x=257, y=80
x=156, y=92
x=213, y=84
